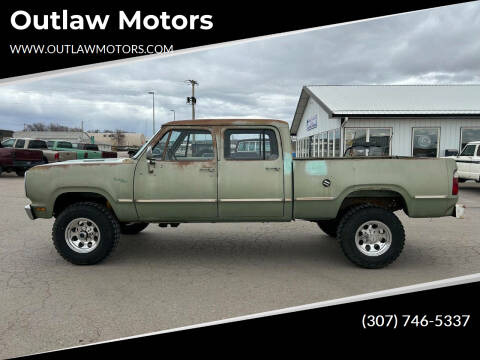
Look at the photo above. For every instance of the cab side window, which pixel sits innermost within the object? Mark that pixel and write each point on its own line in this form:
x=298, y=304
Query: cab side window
x=20, y=144
x=185, y=145
x=249, y=144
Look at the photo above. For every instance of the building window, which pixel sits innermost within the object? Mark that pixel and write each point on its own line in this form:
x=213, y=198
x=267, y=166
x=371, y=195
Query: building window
x=311, y=146
x=331, y=137
x=425, y=142
x=467, y=135
x=367, y=141
x=337, y=143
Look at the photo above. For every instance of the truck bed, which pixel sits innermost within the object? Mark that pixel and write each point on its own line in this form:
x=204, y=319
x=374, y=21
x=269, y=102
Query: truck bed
x=424, y=185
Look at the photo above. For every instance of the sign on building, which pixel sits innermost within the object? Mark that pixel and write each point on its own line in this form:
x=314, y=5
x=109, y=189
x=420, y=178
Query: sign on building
x=312, y=123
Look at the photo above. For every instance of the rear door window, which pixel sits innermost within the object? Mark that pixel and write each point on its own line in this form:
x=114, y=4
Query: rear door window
x=250, y=144
x=64, y=144
x=37, y=144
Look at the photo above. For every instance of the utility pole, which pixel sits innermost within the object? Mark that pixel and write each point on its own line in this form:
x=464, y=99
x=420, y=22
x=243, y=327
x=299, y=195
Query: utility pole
x=153, y=110
x=192, y=100
x=173, y=114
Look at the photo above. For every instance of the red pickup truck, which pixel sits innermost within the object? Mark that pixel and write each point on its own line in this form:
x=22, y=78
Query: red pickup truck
x=19, y=160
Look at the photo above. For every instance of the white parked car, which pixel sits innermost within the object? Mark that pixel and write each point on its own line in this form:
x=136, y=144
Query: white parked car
x=468, y=162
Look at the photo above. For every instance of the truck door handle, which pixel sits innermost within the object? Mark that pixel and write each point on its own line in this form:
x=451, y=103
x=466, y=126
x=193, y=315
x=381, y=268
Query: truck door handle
x=208, y=169
x=273, y=168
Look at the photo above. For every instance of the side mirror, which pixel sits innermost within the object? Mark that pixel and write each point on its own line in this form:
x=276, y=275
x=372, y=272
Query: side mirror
x=150, y=159
x=149, y=154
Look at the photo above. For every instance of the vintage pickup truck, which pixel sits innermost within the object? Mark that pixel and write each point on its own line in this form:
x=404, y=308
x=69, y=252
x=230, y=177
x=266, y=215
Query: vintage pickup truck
x=49, y=156
x=94, y=147
x=468, y=162
x=19, y=160
x=59, y=145
x=190, y=171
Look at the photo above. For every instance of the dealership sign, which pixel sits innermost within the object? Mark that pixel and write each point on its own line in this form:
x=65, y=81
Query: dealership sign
x=312, y=123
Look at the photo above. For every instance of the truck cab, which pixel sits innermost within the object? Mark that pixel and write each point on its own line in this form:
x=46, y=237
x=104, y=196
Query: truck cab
x=468, y=162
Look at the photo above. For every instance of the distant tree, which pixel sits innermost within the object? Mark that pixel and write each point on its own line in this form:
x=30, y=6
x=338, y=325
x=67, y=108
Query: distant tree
x=36, y=127
x=50, y=127
x=119, y=137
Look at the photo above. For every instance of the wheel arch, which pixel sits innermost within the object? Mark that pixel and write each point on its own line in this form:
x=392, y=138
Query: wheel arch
x=388, y=197
x=66, y=197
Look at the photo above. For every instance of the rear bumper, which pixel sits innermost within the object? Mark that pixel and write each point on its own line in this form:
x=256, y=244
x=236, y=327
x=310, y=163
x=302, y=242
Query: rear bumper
x=459, y=211
x=29, y=211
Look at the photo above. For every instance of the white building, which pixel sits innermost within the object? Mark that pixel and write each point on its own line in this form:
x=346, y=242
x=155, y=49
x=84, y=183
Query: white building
x=396, y=120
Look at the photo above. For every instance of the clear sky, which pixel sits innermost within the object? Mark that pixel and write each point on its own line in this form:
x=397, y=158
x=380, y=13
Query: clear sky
x=260, y=79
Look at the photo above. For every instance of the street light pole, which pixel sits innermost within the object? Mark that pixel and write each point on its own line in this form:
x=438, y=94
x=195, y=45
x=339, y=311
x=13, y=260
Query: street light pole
x=173, y=114
x=153, y=110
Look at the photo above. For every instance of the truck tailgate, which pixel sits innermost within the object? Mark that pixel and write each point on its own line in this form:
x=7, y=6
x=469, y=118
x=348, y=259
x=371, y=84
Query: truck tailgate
x=27, y=155
x=67, y=155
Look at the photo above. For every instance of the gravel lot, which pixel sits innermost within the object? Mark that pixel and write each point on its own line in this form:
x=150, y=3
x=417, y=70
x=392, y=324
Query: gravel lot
x=165, y=278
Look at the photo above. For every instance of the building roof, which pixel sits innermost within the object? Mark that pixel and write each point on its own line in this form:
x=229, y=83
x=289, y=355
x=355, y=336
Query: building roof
x=73, y=136
x=390, y=100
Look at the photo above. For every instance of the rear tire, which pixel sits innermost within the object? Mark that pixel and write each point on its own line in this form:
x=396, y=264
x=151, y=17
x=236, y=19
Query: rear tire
x=132, y=228
x=329, y=227
x=85, y=233
x=370, y=236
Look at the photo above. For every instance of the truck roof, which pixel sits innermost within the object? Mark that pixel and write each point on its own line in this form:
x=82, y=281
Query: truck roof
x=222, y=122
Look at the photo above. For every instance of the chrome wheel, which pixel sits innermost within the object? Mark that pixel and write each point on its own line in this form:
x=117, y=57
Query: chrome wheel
x=82, y=235
x=373, y=238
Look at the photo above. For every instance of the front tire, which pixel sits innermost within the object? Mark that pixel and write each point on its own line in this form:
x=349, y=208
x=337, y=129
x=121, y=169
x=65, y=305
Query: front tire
x=85, y=233
x=132, y=228
x=20, y=173
x=370, y=236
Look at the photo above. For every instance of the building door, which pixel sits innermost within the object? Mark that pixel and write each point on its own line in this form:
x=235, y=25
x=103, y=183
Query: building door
x=251, y=175
x=181, y=184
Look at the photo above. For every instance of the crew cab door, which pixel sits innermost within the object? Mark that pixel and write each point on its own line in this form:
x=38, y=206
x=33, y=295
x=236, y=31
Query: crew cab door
x=180, y=184
x=250, y=174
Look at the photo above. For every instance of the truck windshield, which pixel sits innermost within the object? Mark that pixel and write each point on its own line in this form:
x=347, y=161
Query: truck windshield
x=469, y=150
x=8, y=143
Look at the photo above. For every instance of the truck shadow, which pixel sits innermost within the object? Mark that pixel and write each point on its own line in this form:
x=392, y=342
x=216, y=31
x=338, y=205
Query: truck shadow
x=214, y=248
